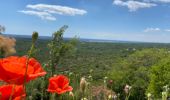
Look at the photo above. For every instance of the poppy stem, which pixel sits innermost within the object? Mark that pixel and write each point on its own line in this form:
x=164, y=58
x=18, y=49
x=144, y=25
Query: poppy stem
x=61, y=97
x=10, y=98
x=34, y=38
x=127, y=96
x=52, y=97
x=25, y=76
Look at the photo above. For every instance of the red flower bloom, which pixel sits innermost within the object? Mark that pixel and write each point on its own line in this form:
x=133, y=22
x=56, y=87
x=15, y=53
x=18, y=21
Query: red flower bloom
x=111, y=81
x=13, y=69
x=17, y=92
x=59, y=84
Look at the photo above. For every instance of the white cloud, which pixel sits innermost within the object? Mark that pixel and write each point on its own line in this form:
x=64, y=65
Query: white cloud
x=42, y=15
x=56, y=9
x=156, y=30
x=167, y=30
x=133, y=5
x=46, y=12
x=162, y=1
x=152, y=29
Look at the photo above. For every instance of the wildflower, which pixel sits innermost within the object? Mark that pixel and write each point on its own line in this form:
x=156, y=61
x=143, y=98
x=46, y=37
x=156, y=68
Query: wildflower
x=90, y=77
x=165, y=92
x=13, y=69
x=46, y=65
x=84, y=99
x=115, y=97
x=83, y=84
x=110, y=81
x=134, y=49
x=149, y=95
x=30, y=98
x=105, y=78
x=91, y=71
x=66, y=72
x=71, y=94
x=70, y=74
x=127, y=89
x=88, y=85
x=164, y=95
x=59, y=84
x=166, y=88
x=110, y=96
x=17, y=92
x=7, y=46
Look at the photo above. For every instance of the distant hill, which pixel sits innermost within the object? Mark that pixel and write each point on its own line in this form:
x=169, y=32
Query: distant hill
x=81, y=39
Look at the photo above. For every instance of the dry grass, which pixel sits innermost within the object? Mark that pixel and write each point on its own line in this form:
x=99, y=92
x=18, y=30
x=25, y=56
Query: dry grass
x=7, y=45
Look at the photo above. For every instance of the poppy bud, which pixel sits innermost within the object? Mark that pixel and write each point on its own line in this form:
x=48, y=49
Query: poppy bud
x=83, y=84
x=71, y=94
x=34, y=36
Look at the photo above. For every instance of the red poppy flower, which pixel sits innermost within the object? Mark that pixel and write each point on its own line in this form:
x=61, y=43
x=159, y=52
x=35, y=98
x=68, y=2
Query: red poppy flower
x=59, y=84
x=17, y=92
x=13, y=69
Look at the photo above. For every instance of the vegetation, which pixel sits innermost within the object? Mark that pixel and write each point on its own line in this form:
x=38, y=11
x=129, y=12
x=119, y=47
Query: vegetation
x=2, y=29
x=135, y=70
x=97, y=71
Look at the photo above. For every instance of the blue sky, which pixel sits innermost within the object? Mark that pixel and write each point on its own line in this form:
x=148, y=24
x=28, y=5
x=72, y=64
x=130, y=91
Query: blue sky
x=130, y=20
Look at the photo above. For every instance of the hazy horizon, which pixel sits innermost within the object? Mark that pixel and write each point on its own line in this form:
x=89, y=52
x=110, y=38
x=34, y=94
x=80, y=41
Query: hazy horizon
x=84, y=39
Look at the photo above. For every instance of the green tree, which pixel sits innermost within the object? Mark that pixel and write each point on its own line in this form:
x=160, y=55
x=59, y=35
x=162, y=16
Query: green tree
x=159, y=77
x=59, y=48
x=134, y=70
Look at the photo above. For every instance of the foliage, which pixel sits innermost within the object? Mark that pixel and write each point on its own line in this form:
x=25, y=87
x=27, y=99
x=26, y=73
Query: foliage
x=2, y=29
x=159, y=77
x=6, y=46
x=134, y=70
x=124, y=63
x=58, y=48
